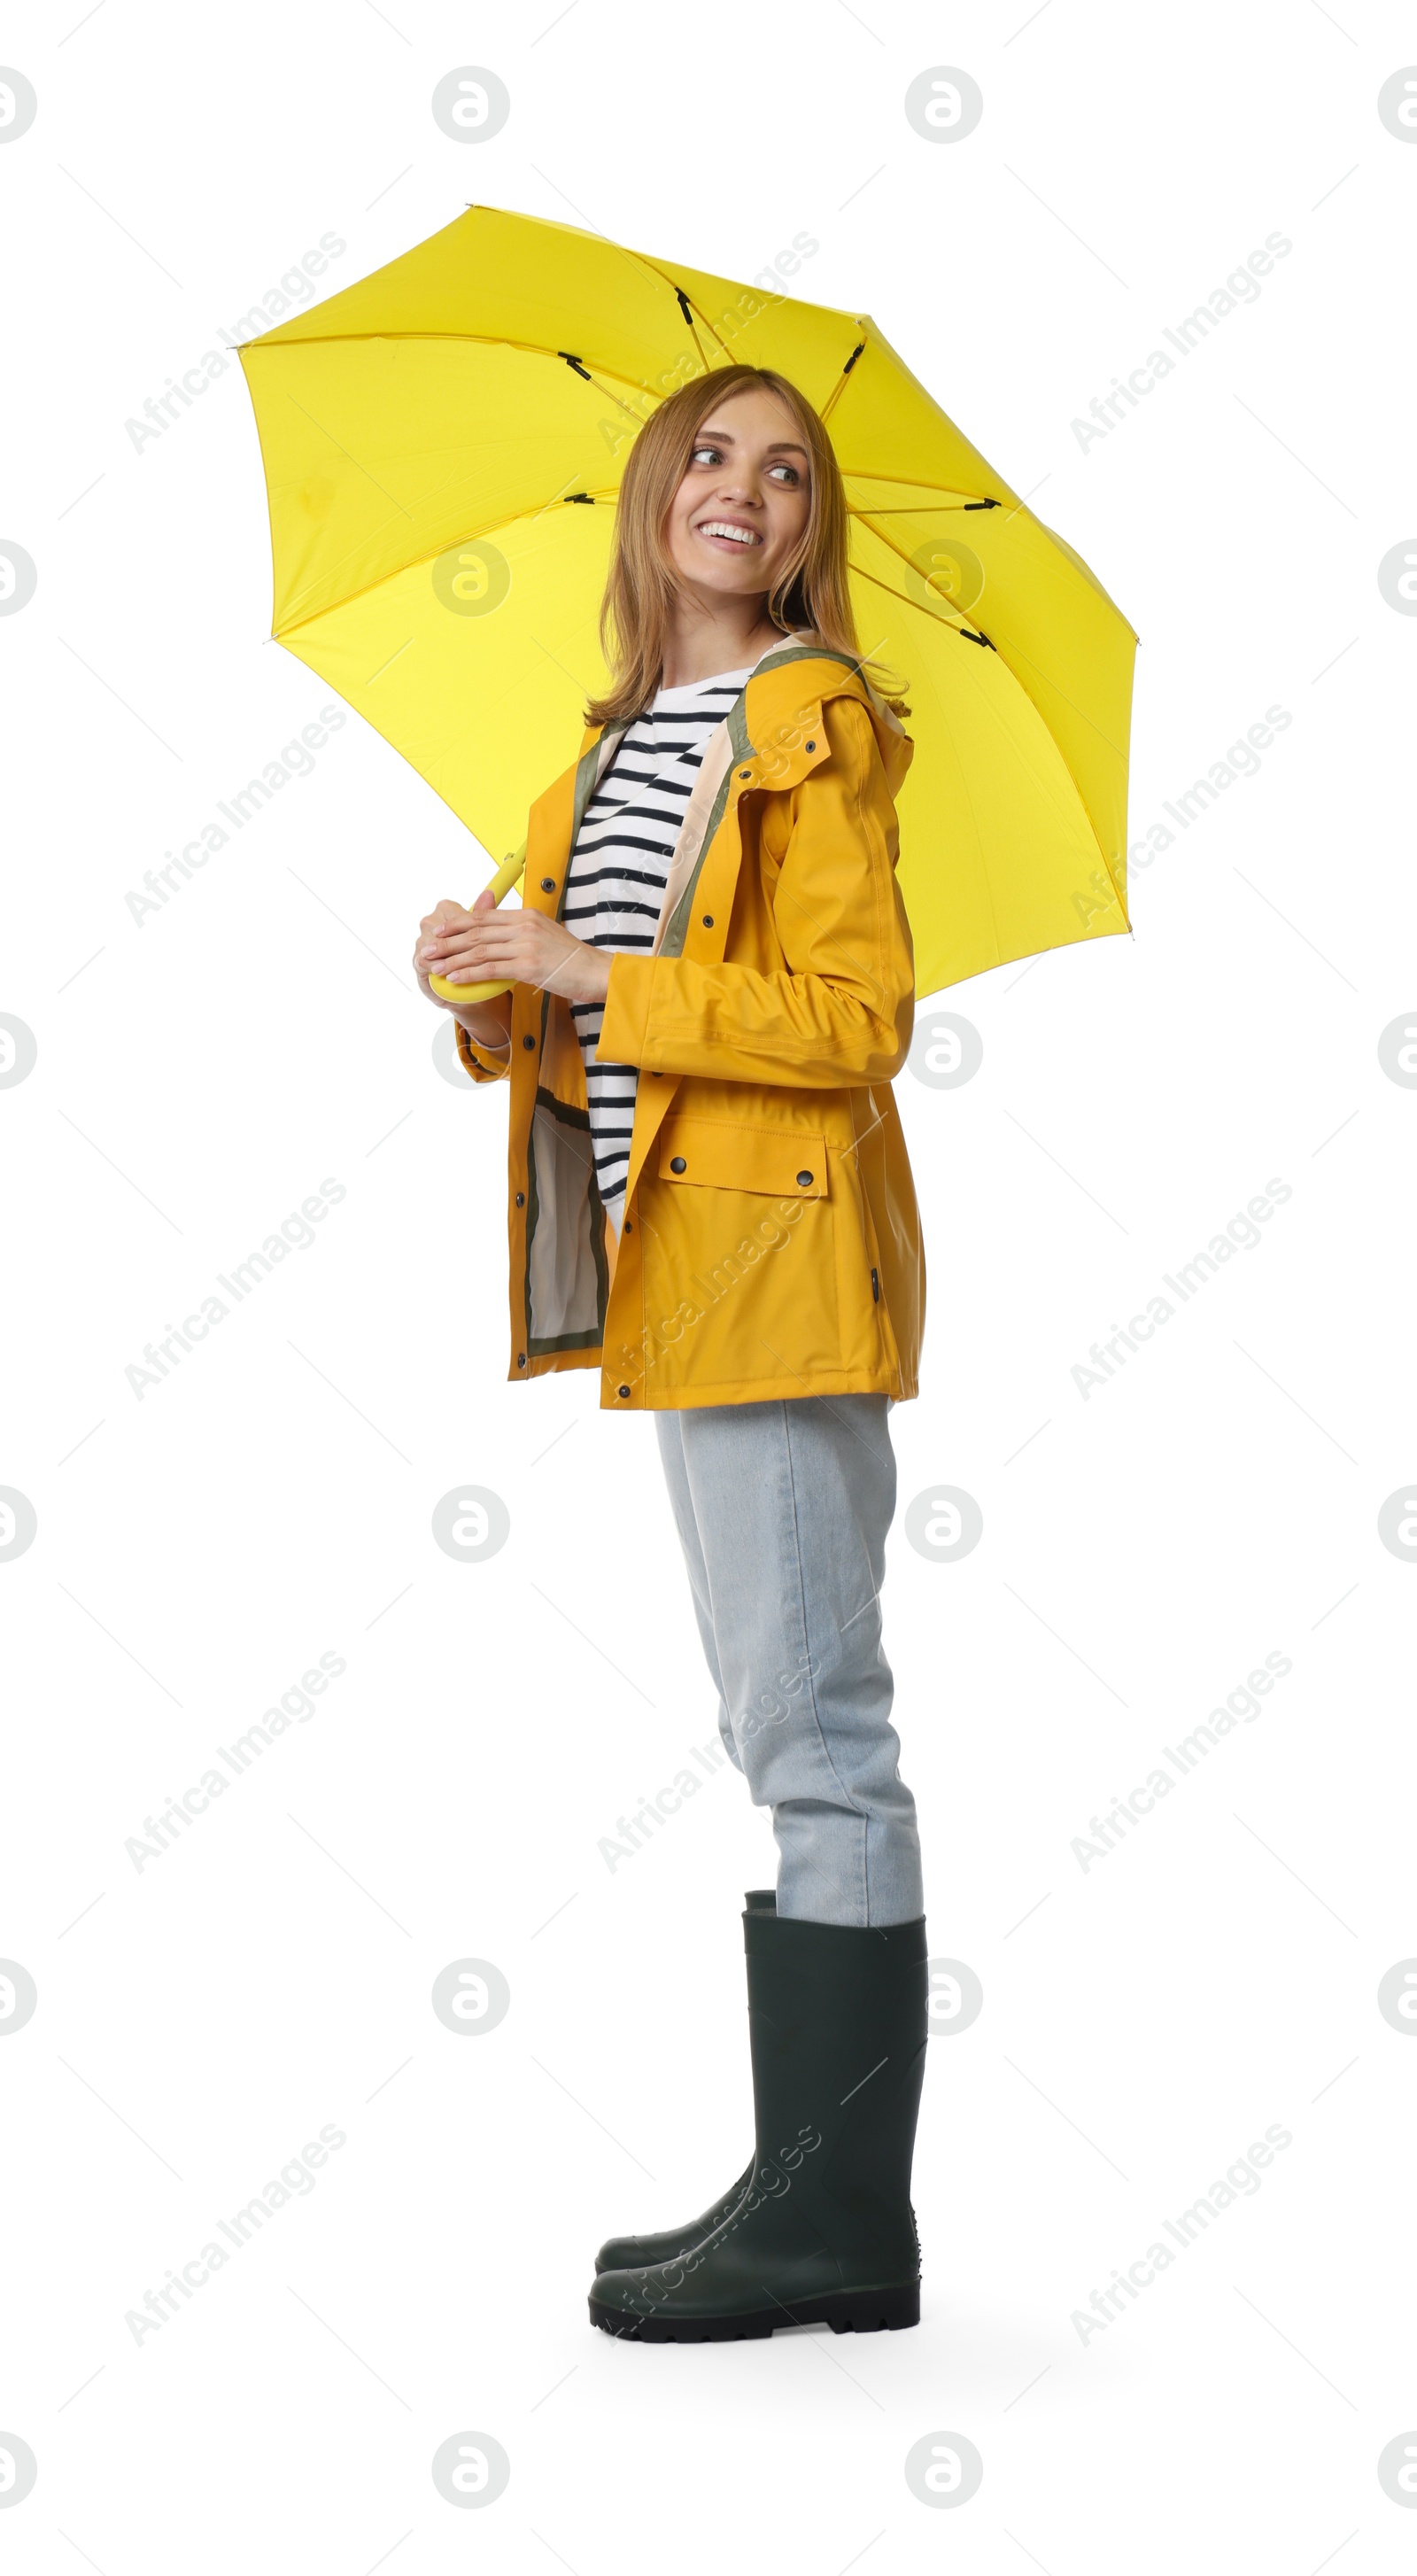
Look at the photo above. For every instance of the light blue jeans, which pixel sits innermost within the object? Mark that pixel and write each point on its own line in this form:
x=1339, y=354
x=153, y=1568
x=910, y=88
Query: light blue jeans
x=782, y=1511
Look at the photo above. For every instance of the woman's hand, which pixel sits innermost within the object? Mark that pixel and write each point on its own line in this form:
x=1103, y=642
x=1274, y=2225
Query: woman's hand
x=520, y=946
x=489, y=1022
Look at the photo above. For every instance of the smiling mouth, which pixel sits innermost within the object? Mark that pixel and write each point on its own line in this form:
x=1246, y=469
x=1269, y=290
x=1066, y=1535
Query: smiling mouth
x=725, y=528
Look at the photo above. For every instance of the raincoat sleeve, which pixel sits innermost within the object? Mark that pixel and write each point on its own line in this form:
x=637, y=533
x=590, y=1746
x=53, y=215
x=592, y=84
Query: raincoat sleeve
x=840, y=1010
x=484, y=1064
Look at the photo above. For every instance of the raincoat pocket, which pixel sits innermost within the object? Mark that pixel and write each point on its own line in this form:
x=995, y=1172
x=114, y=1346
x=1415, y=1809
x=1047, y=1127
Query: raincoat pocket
x=739, y=1258
x=713, y=1153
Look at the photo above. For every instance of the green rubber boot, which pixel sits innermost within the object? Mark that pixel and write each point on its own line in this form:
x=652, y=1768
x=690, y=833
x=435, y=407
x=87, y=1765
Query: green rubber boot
x=624, y=2253
x=824, y=2233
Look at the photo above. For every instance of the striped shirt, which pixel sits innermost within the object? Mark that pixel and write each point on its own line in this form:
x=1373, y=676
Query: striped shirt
x=616, y=880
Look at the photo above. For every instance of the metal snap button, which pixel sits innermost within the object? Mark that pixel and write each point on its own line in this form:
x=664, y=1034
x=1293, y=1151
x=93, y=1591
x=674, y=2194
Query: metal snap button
x=677, y=1163
x=528, y=1042
x=622, y=1390
x=708, y=921
x=804, y=1180
x=811, y=746
x=548, y=885
x=521, y=1198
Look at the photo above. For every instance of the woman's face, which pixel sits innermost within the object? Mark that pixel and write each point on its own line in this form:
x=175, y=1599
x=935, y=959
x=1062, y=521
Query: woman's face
x=743, y=503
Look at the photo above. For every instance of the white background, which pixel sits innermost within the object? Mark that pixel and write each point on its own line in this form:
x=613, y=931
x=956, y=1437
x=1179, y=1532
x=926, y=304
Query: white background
x=1144, y=1548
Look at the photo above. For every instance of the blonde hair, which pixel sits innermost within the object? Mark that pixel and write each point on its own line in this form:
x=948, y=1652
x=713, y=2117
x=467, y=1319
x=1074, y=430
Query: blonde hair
x=812, y=594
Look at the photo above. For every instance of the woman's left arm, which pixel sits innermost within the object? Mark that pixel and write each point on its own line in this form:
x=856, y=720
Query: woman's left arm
x=841, y=1012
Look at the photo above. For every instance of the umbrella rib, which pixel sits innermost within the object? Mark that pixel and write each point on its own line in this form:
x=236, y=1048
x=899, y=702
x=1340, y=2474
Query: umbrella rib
x=684, y=299
x=956, y=623
x=875, y=578
x=1014, y=647
x=905, y=509
x=866, y=513
x=471, y=536
x=1058, y=690
x=836, y=392
x=687, y=310
x=913, y=482
x=467, y=339
x=627, y=408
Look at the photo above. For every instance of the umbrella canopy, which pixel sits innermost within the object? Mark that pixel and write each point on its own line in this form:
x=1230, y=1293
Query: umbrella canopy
x=443, y=444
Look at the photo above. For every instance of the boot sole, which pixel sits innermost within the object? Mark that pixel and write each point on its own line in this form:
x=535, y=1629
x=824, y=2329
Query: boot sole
x=845, y=2311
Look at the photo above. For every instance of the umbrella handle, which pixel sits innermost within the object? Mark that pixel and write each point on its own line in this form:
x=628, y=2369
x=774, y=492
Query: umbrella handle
x=508, y=875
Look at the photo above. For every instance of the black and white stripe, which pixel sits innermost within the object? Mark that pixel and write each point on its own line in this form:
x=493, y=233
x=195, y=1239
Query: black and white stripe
x=616, y=880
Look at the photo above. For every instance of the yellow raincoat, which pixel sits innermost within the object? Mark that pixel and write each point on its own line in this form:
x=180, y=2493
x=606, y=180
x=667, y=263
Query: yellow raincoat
x=771, y=1241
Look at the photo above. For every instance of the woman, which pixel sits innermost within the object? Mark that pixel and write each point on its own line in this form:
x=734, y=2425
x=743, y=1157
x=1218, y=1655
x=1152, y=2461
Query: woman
x=711, y=1202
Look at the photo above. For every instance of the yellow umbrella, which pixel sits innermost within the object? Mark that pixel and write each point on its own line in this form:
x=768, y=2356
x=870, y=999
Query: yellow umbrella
x=443, y=444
